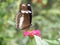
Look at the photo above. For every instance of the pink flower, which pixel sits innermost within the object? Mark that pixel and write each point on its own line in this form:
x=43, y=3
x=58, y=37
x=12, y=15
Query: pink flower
x=36, y=32
x=32, y=33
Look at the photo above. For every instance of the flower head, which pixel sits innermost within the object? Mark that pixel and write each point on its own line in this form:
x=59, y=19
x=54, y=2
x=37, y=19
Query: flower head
x=32, y=33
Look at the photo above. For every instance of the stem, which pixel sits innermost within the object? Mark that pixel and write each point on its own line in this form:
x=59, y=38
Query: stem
x=31, y=42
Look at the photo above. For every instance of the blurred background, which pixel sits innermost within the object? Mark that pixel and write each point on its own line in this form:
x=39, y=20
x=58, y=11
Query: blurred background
x=46, y=18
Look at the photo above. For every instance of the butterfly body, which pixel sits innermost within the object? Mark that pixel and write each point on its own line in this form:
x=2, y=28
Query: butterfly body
x=23, y=17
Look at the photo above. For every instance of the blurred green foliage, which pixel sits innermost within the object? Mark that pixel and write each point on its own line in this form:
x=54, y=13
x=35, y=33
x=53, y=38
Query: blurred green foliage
x=46, y=18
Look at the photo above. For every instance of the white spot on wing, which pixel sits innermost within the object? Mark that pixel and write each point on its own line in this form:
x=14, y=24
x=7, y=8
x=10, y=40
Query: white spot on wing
x=26, y=11
x=21, y=21
x=22, y=11
x=29, y=11
x=28, y=4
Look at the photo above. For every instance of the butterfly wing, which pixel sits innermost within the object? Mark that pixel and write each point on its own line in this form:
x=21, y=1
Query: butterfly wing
x=23, y=19
x=18, y=16
x=30, y=12
x=26, y=23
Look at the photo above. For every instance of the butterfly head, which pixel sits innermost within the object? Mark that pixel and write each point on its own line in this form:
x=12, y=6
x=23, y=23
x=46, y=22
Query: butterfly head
x=23, y=7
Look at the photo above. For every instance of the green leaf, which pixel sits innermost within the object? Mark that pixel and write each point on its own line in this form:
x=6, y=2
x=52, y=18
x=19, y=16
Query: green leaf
x=40, y=41
x=53, y=41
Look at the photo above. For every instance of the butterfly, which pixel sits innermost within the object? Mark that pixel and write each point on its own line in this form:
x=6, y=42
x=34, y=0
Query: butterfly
x=24, y=17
